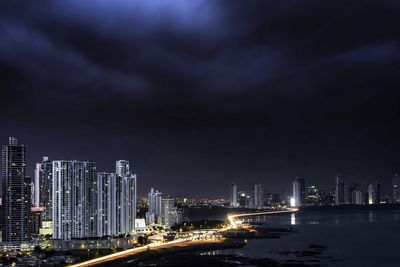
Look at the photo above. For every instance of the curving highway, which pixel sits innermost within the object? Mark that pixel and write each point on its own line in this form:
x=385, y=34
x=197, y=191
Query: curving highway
x=179, y=242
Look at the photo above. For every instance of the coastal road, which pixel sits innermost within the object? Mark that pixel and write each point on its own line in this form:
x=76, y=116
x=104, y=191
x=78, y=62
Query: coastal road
x=175, y=243
x=233, y=217
x=133, y=251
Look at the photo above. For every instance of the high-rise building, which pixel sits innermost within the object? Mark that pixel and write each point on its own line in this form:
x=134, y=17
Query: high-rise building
x=125, y=198
x=299, y=191
x=273, y=198
x=169, y=213
x=74, y=210
x=129, y=203
x=122, y=168
x=396, y=189
x=347, y=196
x=16, y=193
x=154, y=207
x=37, y=217
x=356, y=195
x=259, y=200
x=339, y=190
x=371, y=194
x=312, y=198
x=377, y=197
x=234, y=196
x=43, y=187
x=106, y=204
x=242, y=199
x=116, y=201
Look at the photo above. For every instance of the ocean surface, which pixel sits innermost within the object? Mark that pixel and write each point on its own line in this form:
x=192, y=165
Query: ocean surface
x=352, y=238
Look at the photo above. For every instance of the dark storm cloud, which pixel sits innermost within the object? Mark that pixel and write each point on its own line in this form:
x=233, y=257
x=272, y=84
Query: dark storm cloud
x=205, y=90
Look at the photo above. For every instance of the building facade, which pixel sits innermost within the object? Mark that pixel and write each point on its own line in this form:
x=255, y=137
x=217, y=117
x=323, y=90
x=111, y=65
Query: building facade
x=16, y=193
x=43, y=188
x=396, y=189
x=339, y=190
x=312, y=198
x=129, y=203
x=259, y=197
x=106, y=204
x=116, y=201
x=371, y=194
x=154, y=207
x=234, y=196
x=299, y=191
x=169, y=213
x=74, y=210
x=122, y=168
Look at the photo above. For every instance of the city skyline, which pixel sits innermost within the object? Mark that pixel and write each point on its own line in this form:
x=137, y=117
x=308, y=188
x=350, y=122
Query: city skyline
x=246, y=187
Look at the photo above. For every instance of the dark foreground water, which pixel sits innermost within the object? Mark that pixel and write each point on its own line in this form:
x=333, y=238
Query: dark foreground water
x=351, y=238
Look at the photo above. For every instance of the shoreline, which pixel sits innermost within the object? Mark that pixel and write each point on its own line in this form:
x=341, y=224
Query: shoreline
x=176, y=249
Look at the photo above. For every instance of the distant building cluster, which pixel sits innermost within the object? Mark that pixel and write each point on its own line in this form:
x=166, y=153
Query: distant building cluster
x=310, y=195
x=355, y=194
x=258, y=198
x=162, y=211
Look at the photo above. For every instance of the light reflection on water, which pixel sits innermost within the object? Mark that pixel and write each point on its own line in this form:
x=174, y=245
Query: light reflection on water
x=326, y=217
x=293, y=219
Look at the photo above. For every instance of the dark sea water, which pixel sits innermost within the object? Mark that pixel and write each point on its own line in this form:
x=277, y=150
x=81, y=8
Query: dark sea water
x=352, y=238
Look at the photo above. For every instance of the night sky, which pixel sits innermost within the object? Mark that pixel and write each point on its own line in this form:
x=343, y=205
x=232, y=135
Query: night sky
x=200, y=94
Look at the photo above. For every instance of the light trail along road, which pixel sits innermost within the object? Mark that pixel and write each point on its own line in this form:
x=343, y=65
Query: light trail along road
x=233, y=217
x=233, y=223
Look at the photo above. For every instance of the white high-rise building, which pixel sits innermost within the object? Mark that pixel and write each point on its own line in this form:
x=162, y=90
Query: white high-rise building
x=106, y=204
x=126, y=197
x=116, y=203
x=371, y=194
x=299, y=192
x=154, y=207
x=129, y=203
x=74, y=196
x=122, y=168
x=169, y=213
x=234, y=196
x=357, y=197
x=43, y=187
x=259, y=195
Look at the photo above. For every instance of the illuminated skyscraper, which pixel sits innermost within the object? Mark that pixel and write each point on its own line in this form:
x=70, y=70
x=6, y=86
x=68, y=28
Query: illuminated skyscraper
x=339, y=190
x=234, y=196
x=154, y=207
x=259, y=199
x=371, y=194
x=44, y=187
x=16, y=197
x=169, y=213
x=116, y=201
x=312, y=197
x=122, y=168
x=356, y=195
x=129, y=203
x=377, y=197
x=396, y=188
x=299, y=191
x=74, y=210
x=125, y=197
x=106, y=204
